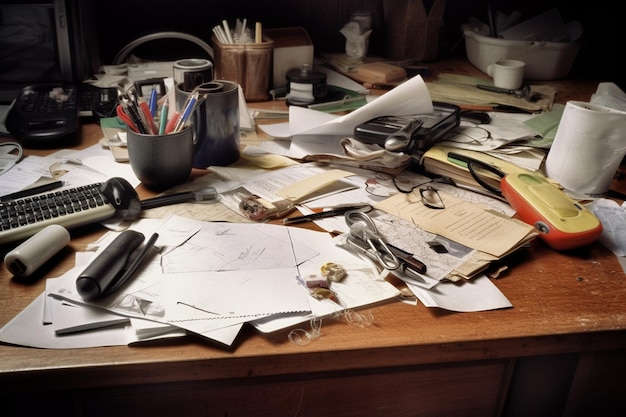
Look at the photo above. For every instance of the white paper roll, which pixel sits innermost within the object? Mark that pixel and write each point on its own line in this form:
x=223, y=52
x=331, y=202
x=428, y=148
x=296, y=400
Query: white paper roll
x=589, y=145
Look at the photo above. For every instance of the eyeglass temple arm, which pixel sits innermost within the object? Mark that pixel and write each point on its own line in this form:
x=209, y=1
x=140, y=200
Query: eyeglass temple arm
x=471, y=163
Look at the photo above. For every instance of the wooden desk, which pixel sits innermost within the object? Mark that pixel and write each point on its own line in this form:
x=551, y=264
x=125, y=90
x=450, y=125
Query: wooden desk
x=561, y=350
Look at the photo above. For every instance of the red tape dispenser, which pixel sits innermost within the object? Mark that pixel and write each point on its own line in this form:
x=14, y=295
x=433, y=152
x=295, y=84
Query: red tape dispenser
x=562, y=222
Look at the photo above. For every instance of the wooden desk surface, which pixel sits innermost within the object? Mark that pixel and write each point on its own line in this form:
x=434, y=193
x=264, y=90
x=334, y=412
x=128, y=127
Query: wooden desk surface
x=562, y=302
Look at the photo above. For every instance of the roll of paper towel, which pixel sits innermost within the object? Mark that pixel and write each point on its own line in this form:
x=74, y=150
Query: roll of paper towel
x=589, y=145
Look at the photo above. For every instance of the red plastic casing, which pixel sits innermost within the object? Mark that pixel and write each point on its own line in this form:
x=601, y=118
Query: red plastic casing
x=562, y=222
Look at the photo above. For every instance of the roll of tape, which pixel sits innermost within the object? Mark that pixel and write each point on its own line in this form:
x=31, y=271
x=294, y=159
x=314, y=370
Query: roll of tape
x=305, y=86
x=34, y=252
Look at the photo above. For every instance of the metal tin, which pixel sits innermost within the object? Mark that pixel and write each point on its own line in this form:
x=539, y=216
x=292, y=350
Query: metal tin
x=192, y=72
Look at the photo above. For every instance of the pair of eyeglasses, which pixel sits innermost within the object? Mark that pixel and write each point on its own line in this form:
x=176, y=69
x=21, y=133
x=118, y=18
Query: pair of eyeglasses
x=429, y=195
x=431, y=198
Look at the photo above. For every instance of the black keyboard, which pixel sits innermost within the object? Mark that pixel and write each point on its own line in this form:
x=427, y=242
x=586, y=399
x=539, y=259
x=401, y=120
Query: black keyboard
x=72, y=207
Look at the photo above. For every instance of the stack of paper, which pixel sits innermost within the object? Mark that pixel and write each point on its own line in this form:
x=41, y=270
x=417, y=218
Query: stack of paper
x=492, y=235
x=210, y=278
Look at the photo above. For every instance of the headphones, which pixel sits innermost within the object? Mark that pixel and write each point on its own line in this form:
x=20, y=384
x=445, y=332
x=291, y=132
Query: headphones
x=126, y=50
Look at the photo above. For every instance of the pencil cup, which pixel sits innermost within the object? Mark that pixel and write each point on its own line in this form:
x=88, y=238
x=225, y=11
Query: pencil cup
x=215, y=123
x=247, y=64
x=161, y=161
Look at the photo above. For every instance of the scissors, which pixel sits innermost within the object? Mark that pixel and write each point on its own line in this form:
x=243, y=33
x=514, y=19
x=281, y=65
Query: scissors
x=124, y=117
x=365, y=238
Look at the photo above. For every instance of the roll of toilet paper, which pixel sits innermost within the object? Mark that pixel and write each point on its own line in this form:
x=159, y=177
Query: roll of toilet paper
x=589, y=145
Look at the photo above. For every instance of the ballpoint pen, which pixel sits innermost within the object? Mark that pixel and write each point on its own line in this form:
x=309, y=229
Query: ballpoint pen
x=153, y=102
x=186, y=113
x=335, y=211
x=131, y=110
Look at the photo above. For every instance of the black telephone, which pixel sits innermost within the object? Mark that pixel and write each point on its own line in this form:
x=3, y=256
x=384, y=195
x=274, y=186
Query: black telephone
x=411, y=134
x=42, y=115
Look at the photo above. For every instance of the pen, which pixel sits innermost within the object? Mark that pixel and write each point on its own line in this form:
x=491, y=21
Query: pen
x=153, y=102
x=32, y=191
x=132, y=112
x=171, y=124
x=191, y=103
x=146, y=116
x=163, y=121
x=337, y=211
x=134, y=264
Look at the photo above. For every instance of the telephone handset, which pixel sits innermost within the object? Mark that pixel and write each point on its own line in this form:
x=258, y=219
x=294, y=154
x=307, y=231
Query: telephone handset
x=562, y=222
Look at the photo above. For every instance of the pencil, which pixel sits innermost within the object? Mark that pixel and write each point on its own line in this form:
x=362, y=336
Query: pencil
x=32, y=191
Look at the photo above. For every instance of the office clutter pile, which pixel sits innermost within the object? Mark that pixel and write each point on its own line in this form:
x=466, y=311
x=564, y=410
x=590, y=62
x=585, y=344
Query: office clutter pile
x=413, y=190
x=432, y=230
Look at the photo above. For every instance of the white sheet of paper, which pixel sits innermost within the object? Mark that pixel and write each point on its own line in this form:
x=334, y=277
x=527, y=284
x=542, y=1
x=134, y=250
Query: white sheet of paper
x=101, y=160
x=410, y=97
x=361, y=287
x=22, y=174
x=234, y=294
x=477, y=294
x=27, y=329
x=613, y=219
x=236, y=247
x=68, y=318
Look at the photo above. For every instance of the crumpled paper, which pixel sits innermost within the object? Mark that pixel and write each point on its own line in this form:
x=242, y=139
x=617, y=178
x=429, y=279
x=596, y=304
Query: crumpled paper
x=356, y=42
x=362, y=155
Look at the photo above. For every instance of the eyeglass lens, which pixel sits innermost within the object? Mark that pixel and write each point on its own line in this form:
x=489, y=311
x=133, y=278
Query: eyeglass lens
x=431, y=198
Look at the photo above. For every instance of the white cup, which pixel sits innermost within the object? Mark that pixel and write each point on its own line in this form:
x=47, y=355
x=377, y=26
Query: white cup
x=507, y=73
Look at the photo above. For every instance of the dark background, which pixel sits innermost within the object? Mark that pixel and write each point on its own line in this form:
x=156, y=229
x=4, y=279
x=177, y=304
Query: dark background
x=118, y=22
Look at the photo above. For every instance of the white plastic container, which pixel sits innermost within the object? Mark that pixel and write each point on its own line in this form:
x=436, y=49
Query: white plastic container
x=544, y=60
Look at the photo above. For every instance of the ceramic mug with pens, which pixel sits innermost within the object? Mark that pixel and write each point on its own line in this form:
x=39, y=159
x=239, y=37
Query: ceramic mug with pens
x=161, y=161
x=507, y=73
x=214, y=122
